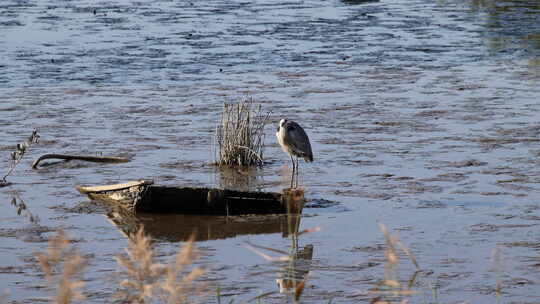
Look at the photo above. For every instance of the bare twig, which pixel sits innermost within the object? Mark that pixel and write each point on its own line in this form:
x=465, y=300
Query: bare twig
x=17, y=155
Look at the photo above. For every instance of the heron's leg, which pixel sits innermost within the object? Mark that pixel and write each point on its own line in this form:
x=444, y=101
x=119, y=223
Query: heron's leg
x=297, y=170
x=292, y=179
x=292, y=175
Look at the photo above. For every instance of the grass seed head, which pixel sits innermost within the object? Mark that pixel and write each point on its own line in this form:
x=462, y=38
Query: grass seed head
x=63, y=266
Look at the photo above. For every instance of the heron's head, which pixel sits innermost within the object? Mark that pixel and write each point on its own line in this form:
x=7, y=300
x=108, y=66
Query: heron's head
x=282, y=123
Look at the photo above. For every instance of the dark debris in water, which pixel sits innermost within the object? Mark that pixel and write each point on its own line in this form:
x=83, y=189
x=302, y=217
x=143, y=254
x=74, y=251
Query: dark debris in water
x=368, y=249
x=12, y=270
x=324, y=205
x=320, y=203
x=430, y=204
x=418, y=187
x=447, y=177
x=89, y=207
x=358, y=2
x=463, y=163
x=33, y=233
x=526, y=244
x=482, y=227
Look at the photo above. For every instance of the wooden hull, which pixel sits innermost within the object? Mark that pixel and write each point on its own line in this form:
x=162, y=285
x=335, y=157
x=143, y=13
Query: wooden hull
x=144, y=196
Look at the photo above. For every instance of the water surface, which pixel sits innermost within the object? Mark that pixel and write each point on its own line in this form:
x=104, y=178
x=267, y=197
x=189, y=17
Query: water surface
x=422, y=115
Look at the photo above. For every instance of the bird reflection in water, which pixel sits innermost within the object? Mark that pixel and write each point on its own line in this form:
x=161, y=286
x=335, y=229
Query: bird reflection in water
x=293, y=275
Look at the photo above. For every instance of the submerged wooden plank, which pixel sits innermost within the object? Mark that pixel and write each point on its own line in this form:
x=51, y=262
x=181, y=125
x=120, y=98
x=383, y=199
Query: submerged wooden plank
x=146, y=197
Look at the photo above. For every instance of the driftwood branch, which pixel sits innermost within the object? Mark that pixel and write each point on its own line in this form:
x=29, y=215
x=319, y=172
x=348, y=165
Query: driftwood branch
x=96, y=159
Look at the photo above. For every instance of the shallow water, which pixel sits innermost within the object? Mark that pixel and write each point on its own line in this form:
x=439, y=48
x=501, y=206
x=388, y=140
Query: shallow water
x=422, y=115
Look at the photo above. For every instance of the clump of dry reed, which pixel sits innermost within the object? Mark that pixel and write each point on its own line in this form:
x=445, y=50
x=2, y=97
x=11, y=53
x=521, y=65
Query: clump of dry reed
x=240, y=135
x=146, y=280
x=63, y=266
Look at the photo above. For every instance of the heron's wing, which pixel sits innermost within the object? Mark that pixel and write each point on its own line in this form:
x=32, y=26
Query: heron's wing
x=297, y=139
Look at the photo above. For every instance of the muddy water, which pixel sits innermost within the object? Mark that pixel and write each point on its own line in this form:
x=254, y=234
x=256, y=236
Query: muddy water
x=423, y=115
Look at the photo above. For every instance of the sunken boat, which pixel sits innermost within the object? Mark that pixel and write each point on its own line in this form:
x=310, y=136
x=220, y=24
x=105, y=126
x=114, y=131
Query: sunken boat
x=145, y=196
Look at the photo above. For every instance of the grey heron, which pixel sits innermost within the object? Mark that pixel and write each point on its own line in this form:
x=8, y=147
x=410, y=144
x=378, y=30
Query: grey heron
x=294, y=141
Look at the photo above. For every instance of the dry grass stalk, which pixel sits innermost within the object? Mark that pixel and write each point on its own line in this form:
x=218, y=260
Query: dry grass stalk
x=285, y=257
x=391, y=285
x=141, y=271
x=177, y=289
x=392, y=241
x=240, y=136
x=4, y=296
x=59, y=254
x=309, y=230
x=498, y=268
x=147, y=280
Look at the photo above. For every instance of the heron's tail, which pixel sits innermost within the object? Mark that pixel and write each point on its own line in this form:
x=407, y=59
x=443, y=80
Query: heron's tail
x=308, y=158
